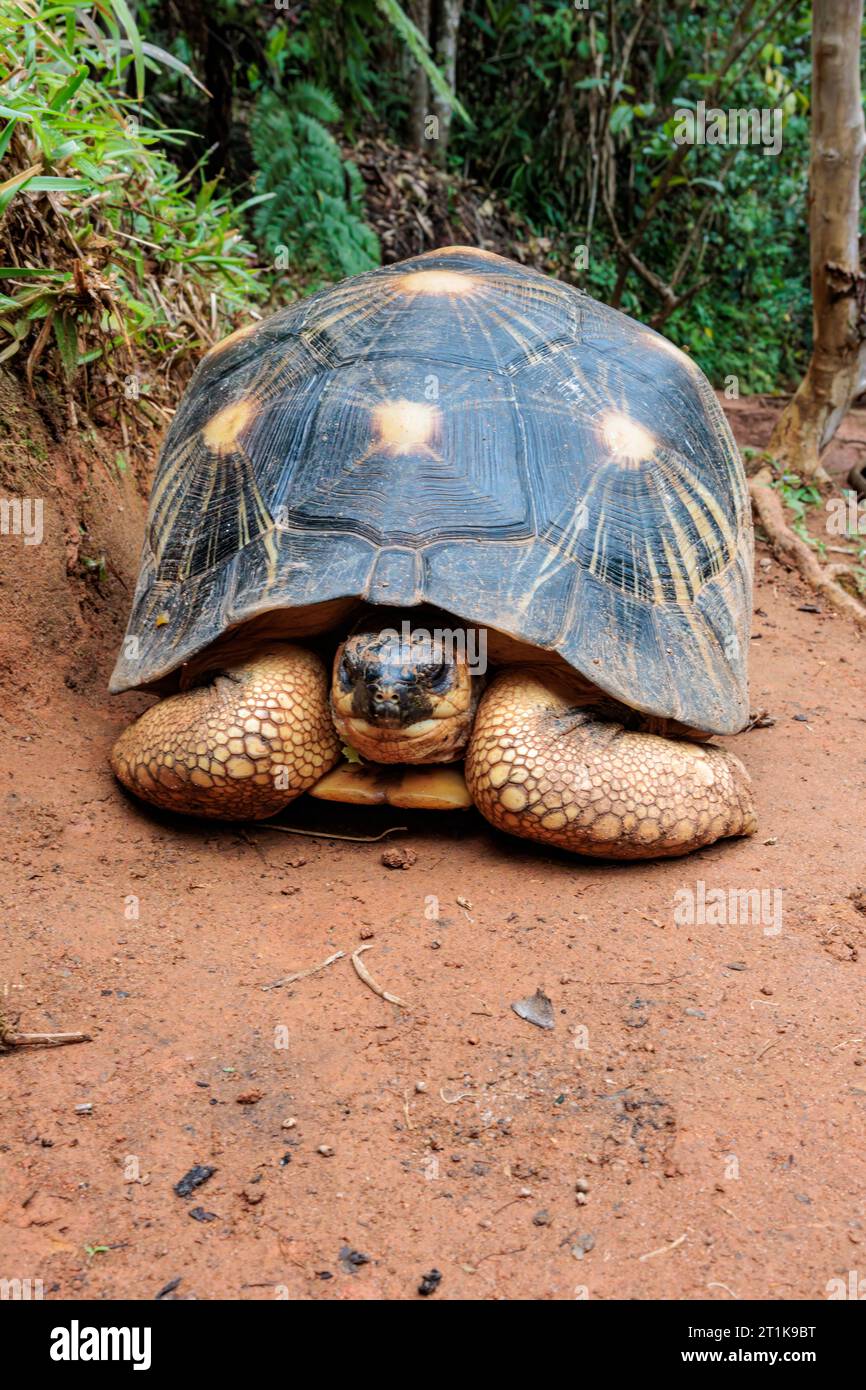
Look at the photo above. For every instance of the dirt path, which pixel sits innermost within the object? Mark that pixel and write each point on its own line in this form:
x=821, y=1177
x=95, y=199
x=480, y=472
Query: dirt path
x=706, y=1083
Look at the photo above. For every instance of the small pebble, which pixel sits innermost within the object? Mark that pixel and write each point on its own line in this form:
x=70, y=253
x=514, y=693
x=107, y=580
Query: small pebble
x=399, y=858
x=199, y=1214
x=352, y=1260
x=249, y=1097
x=325, y=1150
x=289, y=1123
x=420, y=1087
x=194, y=1178
x=581, y=1185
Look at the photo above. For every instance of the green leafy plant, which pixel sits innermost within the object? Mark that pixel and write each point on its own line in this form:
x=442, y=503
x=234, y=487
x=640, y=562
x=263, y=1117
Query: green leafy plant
x=311, y=208
x=798, y=498
x=105, y=245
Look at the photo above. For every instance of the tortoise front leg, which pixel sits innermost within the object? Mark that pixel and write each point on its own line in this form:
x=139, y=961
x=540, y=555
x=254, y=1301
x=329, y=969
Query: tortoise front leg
x=238, y=748
x=540, y=767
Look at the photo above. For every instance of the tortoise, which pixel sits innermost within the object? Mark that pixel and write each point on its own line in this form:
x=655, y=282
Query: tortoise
x=450, y=509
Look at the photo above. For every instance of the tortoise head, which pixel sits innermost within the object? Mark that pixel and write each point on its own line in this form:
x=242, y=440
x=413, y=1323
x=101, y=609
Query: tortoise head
x=404, y=695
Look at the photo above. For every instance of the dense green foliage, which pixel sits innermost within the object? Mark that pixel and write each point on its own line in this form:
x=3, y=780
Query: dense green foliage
x=564, y=116
x=575, y=128
x=105, y=242
x=313, y=216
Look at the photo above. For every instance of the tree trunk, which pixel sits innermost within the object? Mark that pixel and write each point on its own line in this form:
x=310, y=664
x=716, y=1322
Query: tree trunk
x=838, y=361
x=419, y=87
x=447, y=29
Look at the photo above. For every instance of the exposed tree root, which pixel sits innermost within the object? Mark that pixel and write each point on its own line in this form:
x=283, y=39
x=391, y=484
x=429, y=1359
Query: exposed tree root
x=788, y=546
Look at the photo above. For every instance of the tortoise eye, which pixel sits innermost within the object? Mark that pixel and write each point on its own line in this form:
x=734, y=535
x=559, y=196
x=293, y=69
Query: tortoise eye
x=349, y=670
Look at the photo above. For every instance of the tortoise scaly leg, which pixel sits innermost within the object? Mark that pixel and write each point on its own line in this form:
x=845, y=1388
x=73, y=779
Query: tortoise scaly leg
x=539, y=767
x=238, y=748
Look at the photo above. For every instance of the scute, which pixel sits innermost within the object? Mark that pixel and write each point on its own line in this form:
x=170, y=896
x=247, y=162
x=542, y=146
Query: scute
x=489, y=441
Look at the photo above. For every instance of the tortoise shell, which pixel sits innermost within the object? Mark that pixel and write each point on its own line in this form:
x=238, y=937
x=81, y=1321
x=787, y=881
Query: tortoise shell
x=462, y=431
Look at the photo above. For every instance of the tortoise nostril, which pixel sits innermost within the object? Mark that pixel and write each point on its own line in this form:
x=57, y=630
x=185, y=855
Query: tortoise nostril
x=384, y=701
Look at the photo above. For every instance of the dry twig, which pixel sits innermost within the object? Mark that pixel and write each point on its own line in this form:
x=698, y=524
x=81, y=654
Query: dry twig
x=363, y=974
x=10, y=1038
x=326, y=835
x=303, y=974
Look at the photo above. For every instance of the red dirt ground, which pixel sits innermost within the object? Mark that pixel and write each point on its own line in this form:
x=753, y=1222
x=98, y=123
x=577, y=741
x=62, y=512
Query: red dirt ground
x=706, y=1083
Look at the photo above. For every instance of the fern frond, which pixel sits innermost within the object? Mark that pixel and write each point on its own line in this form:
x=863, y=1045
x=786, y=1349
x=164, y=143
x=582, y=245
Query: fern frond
x=315, y=209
